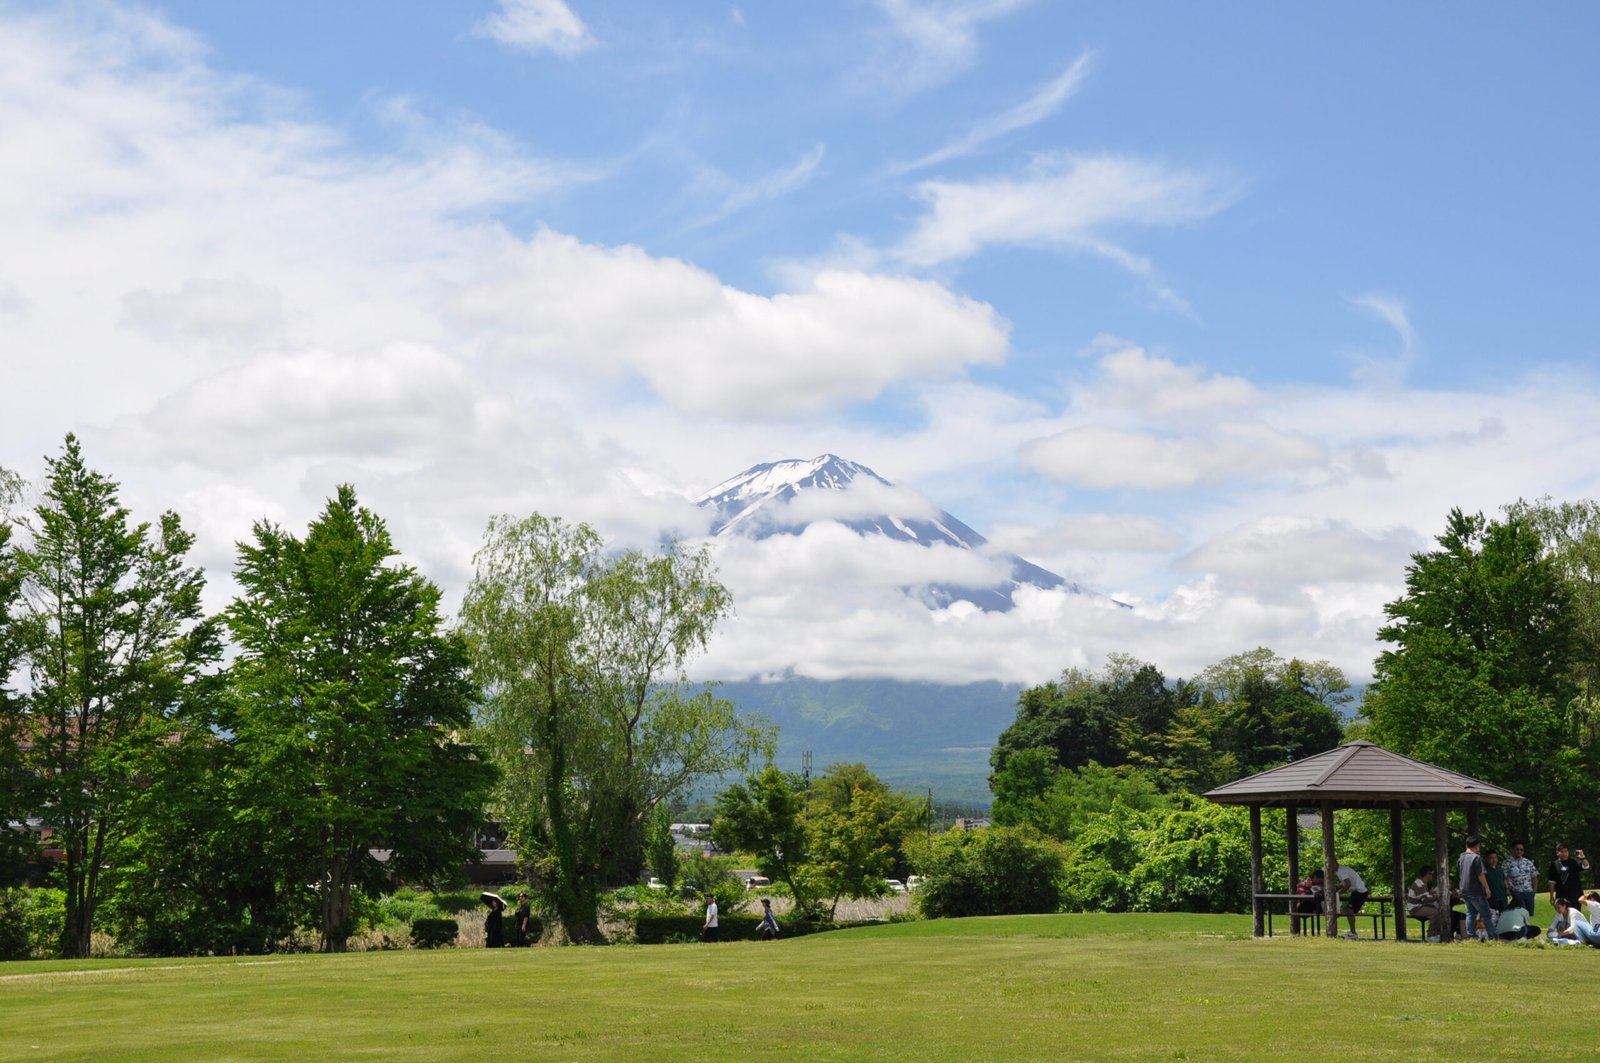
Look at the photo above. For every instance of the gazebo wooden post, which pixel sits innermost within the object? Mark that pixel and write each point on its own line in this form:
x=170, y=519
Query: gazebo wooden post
x=1397, y=853
x=1292, y=834
x=1330, y=875
x=1257, y=879
x=1441, y=872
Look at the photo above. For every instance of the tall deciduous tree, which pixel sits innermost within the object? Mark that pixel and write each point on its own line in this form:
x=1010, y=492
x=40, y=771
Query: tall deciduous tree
x=348, y=705
x=589, y=710
x=1479, y=678
x=115, y=645
x=16, y=783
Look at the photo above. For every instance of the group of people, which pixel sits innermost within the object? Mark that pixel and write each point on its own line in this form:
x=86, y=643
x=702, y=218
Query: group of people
x=493, y=925
x=768, y=927
x=1498, y=896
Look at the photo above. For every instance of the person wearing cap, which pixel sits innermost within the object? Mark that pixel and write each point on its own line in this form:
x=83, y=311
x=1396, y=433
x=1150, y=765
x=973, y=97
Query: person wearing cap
x=1521, y=878
x=1475, y=892
x=1564, y=876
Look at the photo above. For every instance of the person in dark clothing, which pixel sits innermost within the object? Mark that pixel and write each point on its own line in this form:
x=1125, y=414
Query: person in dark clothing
x=493, y=932
x=521, y=921
x=1564, y=877
x=769, y=922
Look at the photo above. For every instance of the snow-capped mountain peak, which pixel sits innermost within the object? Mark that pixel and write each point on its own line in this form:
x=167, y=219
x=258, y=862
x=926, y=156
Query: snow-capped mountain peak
x=785, y=497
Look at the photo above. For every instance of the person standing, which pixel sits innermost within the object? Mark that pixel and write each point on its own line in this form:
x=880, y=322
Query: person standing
x=1497, y=881
x=521, y=922
x=493, y=930
x=1475, y=891
x=769, y=923
x=1563, y=876
x=1521, y=876
x=708, y=932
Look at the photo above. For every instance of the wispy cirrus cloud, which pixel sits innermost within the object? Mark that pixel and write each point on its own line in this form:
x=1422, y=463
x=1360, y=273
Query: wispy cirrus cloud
x=1066, y=201
x=537, y=26
x=1392, y=311
x=1036, y=108
x=738, y=196
x=934, y=39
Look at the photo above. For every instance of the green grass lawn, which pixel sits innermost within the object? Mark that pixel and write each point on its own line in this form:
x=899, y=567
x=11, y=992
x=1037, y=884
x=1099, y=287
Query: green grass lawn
x=1026, y=987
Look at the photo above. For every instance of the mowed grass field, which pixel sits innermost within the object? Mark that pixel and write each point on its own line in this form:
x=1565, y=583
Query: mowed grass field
x=1028, y=988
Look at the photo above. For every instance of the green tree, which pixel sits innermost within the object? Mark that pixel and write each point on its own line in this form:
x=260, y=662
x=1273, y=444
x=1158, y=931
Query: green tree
x=1072, y=717
x=1270, y=710
x=994, y=871
x=764, y=816
x=590, y=713
x=1479, y=678
x=115, y=646
x=350, y=698
x=661, y=848
x=18, y=786
x=1057, y=803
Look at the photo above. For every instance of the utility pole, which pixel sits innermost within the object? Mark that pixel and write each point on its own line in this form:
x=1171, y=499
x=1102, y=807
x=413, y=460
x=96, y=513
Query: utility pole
x=805, y=767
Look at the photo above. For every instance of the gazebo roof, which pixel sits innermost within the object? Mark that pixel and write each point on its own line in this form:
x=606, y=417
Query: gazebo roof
x=1361, y=775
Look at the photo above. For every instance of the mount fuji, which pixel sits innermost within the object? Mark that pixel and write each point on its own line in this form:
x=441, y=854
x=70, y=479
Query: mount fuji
x=785, y=497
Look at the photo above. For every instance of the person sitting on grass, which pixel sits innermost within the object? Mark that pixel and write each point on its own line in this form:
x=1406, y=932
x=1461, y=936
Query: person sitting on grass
x=1570, y=927
x=1513, y=925
x=1422, y=903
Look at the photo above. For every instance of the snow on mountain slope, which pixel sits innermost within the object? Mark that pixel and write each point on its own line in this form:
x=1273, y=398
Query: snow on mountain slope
x=785, y=497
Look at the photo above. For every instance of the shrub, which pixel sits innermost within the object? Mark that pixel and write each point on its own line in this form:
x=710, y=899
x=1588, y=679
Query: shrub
x=408, y=907
x=654, y=929
x=14, y=943
x=46, y=916
x=433, y=933
x=995, y=871
x=456, y=901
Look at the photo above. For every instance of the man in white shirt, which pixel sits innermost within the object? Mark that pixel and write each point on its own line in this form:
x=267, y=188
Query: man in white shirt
x=709, y=931
x=1355, y=891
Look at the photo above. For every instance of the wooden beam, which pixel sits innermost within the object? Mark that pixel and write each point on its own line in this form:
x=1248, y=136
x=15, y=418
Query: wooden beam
x=1291, y=831
x=1441, y=872
x=1397, y=853
x=1257, y=879
x=1330, y=875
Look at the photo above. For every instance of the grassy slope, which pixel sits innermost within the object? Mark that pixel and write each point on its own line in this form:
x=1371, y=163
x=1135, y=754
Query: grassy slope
x=1079, y=987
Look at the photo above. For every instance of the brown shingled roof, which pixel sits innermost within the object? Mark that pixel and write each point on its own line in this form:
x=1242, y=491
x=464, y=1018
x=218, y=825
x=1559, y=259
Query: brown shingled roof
x=1360, y=774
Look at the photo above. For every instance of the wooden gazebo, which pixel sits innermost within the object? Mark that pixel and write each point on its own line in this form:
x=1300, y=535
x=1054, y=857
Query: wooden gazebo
x=1360, y=775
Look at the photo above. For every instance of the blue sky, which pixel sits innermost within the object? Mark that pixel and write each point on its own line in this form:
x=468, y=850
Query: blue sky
x=1216, y=307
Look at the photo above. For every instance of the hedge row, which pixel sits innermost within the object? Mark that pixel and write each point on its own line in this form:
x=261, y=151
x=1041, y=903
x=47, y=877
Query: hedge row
x=668, y=929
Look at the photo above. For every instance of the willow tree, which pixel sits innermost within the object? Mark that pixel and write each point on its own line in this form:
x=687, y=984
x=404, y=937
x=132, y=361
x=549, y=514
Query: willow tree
x=588, y=709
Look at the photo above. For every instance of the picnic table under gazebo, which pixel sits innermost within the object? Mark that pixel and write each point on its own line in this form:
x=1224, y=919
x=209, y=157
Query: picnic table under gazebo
x=1359, y=775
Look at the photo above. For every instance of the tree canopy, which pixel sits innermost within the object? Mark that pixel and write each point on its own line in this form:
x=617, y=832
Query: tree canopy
x=589, y=711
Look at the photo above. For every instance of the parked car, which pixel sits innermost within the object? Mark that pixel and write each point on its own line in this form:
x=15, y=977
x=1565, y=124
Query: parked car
x=895, y=885
x=656, y=884
x=913, y=882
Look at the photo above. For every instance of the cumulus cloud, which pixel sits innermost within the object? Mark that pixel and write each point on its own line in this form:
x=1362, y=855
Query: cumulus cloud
x=1098, y=456
x=537, y=26
x=1282, y=554
x=206, y=309
x=1090, y=531
x=705, y=346
x=1072, y=202
x=310, y=402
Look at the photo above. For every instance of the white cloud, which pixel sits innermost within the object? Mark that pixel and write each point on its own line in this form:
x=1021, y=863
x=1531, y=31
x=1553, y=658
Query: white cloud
x=1072, y=202
x=1097, y=456
x=1089, y=531
x=1274, y=555
x=935, y=39
x=538, y=26
x=1132, y=379
x=707, y=347
x=737, y=197
x=1036, y=108
x=207, y=309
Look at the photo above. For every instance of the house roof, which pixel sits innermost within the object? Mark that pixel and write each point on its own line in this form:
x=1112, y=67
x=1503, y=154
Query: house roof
x=1359, y=774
